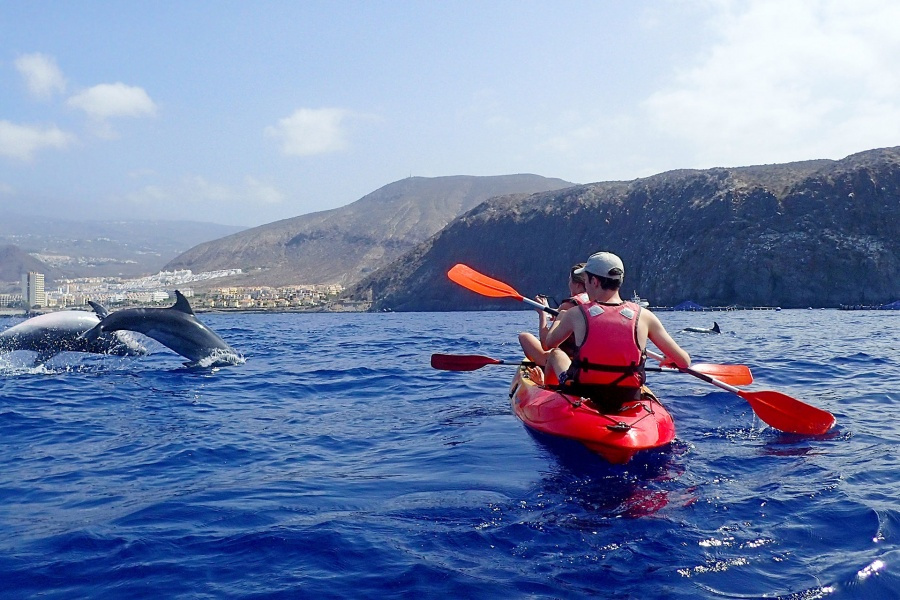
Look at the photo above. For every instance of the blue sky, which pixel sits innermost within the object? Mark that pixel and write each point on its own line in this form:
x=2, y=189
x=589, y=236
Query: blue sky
x=245, y=113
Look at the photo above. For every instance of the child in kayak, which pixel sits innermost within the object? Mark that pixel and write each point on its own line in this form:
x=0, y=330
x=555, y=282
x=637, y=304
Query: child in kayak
x=533, y=346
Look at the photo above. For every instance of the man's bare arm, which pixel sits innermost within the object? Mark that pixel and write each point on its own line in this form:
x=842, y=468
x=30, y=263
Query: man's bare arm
x=560, y=330
x=675, y=355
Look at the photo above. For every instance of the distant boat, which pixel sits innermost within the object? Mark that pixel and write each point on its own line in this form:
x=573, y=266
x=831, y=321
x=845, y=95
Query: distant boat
x=639, y=301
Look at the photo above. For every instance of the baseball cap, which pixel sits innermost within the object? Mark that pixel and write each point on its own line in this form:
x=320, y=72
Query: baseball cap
x=603, y=264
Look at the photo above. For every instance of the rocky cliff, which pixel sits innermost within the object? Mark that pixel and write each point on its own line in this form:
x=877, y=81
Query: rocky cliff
x=344, y=244
x=816, y=233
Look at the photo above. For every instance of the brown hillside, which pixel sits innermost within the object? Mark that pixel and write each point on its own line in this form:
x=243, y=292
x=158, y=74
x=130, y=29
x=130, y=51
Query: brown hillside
x=344, y=244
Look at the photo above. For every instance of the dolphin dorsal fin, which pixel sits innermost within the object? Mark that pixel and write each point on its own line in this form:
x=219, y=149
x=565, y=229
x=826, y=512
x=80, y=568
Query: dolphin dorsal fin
x=716, y=327
x=181, y=304
x=99, y=309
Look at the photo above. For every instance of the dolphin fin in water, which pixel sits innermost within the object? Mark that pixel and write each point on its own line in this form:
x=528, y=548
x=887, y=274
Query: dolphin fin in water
x=181, y=304
x=99, y=309
x=713, y=329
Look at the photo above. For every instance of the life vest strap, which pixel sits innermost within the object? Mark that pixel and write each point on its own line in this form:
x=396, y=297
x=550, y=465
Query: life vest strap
x=582, y=364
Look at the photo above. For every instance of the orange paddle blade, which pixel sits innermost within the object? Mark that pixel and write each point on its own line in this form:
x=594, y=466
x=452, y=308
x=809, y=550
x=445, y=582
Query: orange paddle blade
x=732, y=374
x=471, y=279
x=788, y=414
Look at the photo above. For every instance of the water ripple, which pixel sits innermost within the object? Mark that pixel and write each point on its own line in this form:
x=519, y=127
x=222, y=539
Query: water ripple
x=335, y=462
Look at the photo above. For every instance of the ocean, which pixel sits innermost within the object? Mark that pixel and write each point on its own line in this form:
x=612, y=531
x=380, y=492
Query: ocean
x=337, y=463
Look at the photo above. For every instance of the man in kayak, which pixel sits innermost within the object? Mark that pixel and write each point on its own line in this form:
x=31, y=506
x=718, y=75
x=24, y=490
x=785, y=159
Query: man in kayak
x=610, y=336
x=532, y=345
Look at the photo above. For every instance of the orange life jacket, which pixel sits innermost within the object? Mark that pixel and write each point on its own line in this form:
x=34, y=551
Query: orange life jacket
x=568, y=345
x=610, y=357
x=581, y=298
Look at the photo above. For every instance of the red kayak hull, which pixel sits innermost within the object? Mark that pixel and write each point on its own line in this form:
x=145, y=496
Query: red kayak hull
x=640, y=425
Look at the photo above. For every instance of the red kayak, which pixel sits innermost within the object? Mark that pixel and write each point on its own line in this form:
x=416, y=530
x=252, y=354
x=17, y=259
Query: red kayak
x=639, y=425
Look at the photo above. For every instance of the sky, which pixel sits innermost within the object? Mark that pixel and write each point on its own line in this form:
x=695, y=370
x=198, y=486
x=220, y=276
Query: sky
x=245, y=113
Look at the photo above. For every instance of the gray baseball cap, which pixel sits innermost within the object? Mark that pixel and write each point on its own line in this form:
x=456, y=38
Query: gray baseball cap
x=604, y=264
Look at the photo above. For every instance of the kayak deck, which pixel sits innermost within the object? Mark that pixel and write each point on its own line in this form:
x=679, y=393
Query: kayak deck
x=639, y=425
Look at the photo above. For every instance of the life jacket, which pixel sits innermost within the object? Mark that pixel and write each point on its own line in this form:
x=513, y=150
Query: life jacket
x=581, y=298
x=609, y=363
x=568, y=345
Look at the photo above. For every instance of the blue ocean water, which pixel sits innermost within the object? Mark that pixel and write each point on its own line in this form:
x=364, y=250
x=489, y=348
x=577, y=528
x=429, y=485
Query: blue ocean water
x=336, y=463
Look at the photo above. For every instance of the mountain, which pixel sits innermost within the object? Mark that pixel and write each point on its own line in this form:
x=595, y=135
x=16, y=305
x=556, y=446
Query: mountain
x=104, y=248
x=807, y=234
x=344, y=244
x=14, y=262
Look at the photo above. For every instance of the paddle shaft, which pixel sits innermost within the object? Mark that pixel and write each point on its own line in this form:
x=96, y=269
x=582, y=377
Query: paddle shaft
x=713, y=381
x=540, y=306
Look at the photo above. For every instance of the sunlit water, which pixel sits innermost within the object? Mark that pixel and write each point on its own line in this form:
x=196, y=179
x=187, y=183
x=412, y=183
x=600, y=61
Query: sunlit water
x=336, y=463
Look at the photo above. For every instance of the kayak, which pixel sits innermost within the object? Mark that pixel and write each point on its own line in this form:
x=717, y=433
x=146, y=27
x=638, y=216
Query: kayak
x=639, y=425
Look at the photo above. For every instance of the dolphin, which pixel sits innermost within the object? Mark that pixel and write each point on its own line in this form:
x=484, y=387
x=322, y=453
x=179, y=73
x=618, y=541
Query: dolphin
x=55, y=332
x=713, y=329
x=176, y=328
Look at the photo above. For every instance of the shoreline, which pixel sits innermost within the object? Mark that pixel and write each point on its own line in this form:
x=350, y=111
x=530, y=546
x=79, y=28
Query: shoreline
x=18, y=312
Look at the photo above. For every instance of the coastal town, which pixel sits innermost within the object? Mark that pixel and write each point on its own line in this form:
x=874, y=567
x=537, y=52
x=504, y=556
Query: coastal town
x=158, y=290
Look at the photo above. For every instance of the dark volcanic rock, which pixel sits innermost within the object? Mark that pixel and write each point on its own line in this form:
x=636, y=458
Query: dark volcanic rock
x=815, y=233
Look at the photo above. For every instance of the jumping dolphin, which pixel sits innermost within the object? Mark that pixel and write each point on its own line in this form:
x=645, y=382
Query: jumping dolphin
x=52, y=333
x=713, y=329
x=176, y=328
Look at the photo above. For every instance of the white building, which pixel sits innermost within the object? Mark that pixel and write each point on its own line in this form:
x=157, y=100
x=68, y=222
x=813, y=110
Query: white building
x=33, y=289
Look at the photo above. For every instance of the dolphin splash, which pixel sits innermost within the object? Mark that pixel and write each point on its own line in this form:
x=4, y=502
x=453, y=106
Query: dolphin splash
x=176, y=328
x=713, y=329
x=52, y=333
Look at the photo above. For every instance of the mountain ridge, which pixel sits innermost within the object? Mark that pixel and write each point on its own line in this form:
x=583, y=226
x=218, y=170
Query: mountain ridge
x=810, y=233
x=104, y=248
x=341, y=245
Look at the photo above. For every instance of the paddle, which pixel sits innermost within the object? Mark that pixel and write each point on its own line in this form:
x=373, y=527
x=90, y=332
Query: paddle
x=779, y=410
x=774, y=408
x=471, y=279
x=731, y=374
x=479, y=283
x=469, y=362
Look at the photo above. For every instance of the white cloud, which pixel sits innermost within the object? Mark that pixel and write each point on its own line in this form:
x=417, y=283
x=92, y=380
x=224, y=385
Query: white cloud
x=309, y=131
x=788, y=81
x=109, y=100
x=196, y=190
x=22, y=142
x=260, y=193
x=42, y=76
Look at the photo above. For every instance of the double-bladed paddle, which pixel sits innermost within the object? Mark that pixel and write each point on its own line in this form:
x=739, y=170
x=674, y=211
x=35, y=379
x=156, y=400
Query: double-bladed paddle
x=774, y=408
x=470, y=362
x=730, y=374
